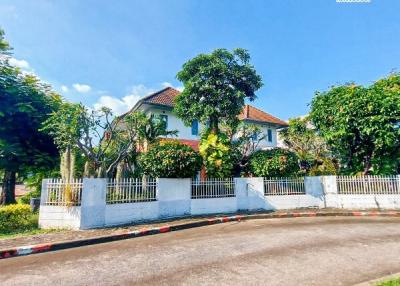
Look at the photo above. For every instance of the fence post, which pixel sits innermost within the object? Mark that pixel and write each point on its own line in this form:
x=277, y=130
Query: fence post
x=330, y=191
x=43, y=193
x=93, y=204
x=398, y=184
x=254, y=190
x=314, y=187
x=173, y=197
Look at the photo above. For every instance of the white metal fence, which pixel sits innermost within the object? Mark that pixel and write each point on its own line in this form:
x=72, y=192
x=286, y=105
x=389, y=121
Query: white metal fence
x=131, y=191
x=284, y=186
x=213, y=188
x=64, y=192
x=365, y=185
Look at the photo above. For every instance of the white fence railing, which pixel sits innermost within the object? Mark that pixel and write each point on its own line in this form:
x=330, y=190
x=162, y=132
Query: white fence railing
x=367, y=185
x=131, y=191
x=64, y=193
x=284, y=186
x=213, y=188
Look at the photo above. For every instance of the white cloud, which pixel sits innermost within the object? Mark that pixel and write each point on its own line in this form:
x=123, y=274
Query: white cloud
x=64, y=88
x=82, y=88
x=120, y=106
x=19, y=63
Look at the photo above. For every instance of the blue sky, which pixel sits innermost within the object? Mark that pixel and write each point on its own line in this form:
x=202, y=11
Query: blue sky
x=114, y=52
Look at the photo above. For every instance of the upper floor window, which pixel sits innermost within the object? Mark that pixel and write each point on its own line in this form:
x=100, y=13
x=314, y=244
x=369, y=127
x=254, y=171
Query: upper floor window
x=195, y=127
x=269, y=135
x=165, y=119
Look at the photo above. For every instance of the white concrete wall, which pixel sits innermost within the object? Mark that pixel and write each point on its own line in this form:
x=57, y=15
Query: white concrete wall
x=213, y=205
x=368, y=201
x=174, y=123
x=174, y=200
x=132, y=212
x=265, y=144
x=59, y=217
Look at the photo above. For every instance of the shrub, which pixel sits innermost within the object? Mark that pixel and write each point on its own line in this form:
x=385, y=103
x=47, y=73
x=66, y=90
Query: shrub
x=218, y=155
x=170, y=159
x=274, y=163
x=14, y=217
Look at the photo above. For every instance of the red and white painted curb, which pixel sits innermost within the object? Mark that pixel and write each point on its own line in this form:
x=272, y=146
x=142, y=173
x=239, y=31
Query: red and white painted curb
x=39, y=248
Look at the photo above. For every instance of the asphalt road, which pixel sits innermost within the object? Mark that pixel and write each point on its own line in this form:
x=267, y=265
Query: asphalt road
x=300, y=251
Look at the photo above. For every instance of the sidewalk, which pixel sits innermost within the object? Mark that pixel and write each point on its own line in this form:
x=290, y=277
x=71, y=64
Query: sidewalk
x=73, y=238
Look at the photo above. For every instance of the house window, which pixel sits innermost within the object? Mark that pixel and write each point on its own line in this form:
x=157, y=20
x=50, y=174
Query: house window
x=269, y=133
x=254, y=137
x=195, y=127
x=165, y=119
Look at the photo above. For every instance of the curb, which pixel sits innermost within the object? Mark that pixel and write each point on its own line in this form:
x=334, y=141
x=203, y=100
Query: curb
x=46, y=247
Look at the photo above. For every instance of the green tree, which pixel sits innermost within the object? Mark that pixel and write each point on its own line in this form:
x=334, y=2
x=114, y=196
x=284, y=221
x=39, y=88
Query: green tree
x=311, y=149
x=5, y=47
x=25, y=103
x=215, y=87
x=105, y=143
x=361, y=124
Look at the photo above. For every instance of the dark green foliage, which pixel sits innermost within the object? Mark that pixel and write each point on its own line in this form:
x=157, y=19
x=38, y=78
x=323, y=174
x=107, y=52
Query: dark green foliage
x=170, y=159
x=276, y=162
x=215, y=87
x=25, y=103
x=361, y=125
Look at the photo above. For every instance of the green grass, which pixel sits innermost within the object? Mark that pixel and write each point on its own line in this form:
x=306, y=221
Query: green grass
x=394, y=282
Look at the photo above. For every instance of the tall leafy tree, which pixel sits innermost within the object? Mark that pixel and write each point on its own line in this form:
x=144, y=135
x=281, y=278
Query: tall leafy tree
x=25, y=103
x=362, y=124
x=216, y=86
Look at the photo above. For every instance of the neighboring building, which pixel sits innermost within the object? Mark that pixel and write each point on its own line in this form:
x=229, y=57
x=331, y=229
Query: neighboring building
x=162, y=103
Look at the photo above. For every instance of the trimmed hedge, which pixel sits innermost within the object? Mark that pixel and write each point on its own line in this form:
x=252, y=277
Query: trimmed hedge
x=276, y=162
x=170, y=159
x=14, y=217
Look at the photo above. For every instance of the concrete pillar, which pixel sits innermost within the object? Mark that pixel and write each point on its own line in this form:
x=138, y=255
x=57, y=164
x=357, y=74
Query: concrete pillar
x=255, y=193
x=314, y=187
x=173, y=196
x=43, y=193
x=93, y=203
x=398, y=184
x=331, y=192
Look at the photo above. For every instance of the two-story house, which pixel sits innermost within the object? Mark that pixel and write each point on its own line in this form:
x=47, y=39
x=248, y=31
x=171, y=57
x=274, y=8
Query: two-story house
x=162, y=103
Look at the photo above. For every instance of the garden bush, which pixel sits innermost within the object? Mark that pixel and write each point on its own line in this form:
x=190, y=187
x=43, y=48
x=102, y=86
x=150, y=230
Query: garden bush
x=170, y=159
x=218, y=155
x=276, y=162
x=16, y=217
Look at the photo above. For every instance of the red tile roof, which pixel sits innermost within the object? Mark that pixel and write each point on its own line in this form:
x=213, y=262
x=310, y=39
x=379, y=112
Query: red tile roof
x=167, y=96
x=254, y=114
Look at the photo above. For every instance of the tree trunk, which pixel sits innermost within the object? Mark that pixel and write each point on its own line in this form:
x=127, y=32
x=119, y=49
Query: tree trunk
x=214, y=125
x=8, y=192
x=367, y=165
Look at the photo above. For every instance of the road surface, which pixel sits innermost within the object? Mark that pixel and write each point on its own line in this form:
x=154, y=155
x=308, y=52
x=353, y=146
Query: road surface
x=299, y=251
